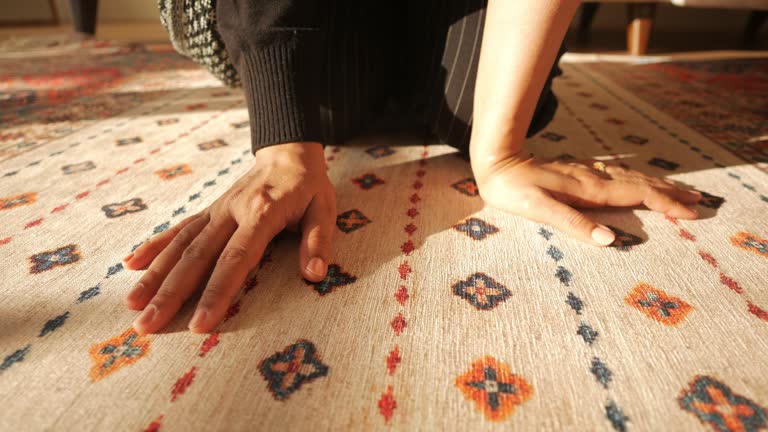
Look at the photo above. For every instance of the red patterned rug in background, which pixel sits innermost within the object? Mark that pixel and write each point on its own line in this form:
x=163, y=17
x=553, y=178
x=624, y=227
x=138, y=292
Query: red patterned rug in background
x=725, y=100
x=51, y=87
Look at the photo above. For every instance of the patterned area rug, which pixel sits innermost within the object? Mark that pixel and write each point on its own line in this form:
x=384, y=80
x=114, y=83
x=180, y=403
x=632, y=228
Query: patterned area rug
x=437, y=314
x=727, y=100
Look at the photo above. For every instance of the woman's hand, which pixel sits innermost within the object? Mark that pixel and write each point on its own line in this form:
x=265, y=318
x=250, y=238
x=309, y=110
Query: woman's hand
x=545, y=191
x=287, y=188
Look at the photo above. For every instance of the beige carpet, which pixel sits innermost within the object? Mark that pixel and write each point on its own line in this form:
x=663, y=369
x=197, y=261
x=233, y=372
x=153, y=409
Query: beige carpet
x=438, y=314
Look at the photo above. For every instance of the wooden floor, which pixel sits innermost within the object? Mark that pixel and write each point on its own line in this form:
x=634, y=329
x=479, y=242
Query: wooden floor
x=606, y=45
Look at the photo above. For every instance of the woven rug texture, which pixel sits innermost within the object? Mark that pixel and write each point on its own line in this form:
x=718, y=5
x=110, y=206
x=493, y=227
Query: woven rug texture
x=437, y=314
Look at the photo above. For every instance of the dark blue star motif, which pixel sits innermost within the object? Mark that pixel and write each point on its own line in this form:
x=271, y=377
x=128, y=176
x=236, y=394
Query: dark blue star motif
x=126, y=141
x=711, y=201
x=335, y=277
x=492, y=387
x=290, y=369
x=113, y=270
x=208, y=145
x=367, y=181
x=351, y=220
x=53, y=324
x=476, y=229
x=89, y=293
x=664, y=164
x=624, y=241
x=78, y=167
x=552, y=136
x=663, y=307
x=379, y=151
x=49, y=259
x=467, y=186
x=123, y=208
x=160, y=228
x=14, y=357
x=713, y=402
x=481, y=291
x=634, y=139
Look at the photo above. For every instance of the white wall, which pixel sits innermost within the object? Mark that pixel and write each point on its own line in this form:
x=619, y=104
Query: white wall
x=109, y=10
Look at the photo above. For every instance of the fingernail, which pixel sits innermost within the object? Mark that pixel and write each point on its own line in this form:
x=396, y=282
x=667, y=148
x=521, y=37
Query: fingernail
x=316, y=266
x=198, y=319
x=695, y=192
x=128, y=257
x=135, y=291
x=146, y=316
x=602, y=235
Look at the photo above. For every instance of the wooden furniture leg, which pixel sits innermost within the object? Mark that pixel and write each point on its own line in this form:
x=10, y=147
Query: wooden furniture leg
x=639, y=24
x=84, y=15
x=756, y=20
x=588, y=11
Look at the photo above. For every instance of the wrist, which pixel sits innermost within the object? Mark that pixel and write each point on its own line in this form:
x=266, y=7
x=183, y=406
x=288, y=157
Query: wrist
x=307, y=153
x=488, y=157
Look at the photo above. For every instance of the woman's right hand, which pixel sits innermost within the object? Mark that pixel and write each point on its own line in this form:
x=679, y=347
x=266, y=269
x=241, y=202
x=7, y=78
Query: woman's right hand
x=287, y=187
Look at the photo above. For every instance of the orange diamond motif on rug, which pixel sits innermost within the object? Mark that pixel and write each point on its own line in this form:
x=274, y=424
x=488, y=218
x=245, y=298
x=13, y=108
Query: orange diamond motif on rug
x=494, y=389
x=115, y=353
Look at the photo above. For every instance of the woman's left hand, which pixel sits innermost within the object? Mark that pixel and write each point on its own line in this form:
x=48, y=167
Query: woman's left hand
x=548, y=191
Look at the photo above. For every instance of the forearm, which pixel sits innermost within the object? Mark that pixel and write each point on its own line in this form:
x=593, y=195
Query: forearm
x=521, y=40
x=277, y=47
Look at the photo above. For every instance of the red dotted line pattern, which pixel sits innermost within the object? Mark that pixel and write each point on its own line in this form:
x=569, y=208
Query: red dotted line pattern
x=59, y=208
x=387, y=402
x=724, y=278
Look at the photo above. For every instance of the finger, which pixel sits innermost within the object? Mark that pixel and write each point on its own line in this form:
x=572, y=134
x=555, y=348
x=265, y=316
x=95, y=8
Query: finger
x=678, y=193
x=153, y=277
x=688, y=197
x=241, y=253
x=660, y=202
x=316, y=238
x=570, y=221
x=151, y=248
x=185, y=277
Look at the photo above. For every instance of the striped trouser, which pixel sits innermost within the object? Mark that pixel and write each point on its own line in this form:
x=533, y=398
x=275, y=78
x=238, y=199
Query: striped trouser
x=410, y=67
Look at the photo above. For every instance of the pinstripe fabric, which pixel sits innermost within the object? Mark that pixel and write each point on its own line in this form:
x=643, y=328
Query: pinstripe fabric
x=418, y=75
x=465, y=111
x=453, y=51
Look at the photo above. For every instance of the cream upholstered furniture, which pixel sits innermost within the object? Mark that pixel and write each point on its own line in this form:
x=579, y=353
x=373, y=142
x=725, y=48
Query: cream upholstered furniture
x=640, y=14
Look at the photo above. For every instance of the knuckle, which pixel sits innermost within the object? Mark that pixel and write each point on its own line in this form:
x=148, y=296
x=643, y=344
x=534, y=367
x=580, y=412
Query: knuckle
x=233, y=254
x=219, y=214
x=573, y=219
x=151, y=277
x=645, y=188
x=214, y=296
x=194, y=252
x=185, y=236
x=263, y=198
x=593, y=182
x=166, y=297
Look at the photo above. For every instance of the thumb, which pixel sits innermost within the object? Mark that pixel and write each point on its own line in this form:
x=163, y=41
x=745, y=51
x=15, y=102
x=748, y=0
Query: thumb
x=573, y=222
x=316, y=238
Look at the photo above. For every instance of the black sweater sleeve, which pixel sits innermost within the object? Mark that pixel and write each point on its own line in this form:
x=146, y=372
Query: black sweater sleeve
x=278, y=48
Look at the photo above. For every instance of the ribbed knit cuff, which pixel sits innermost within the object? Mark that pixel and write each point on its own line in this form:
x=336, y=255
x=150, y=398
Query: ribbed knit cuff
x=281, y=80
